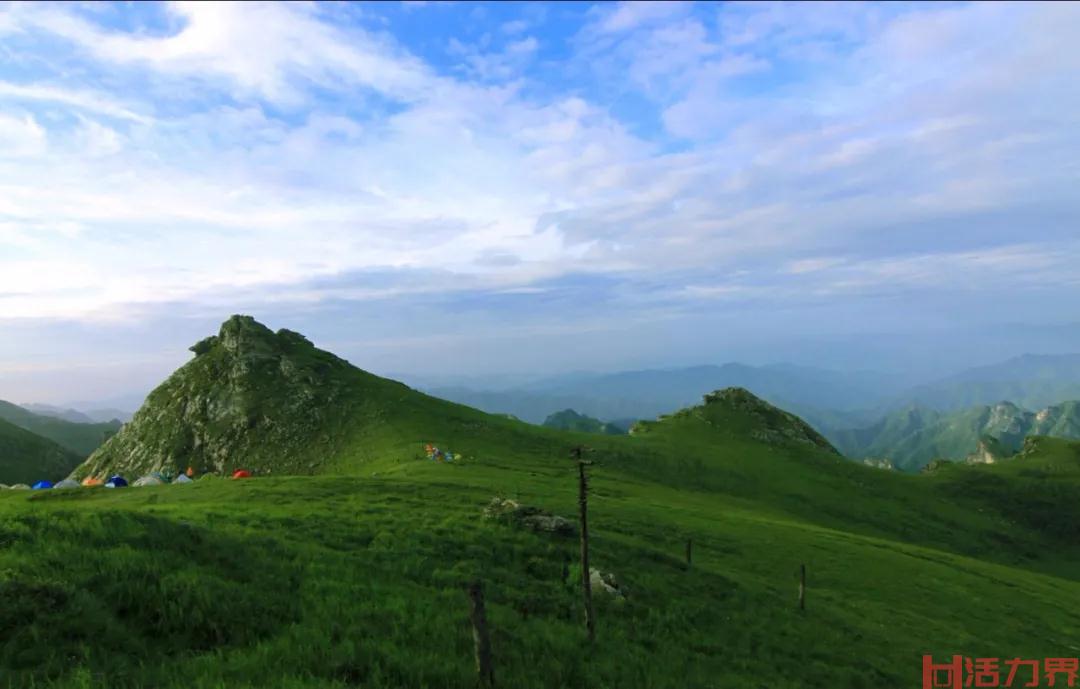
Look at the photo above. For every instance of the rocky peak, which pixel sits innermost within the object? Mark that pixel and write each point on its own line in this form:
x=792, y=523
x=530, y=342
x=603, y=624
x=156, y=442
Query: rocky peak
x=243, y=337
x=246, y=390
x=243, y=334
x=761, y=420
x=736, y=397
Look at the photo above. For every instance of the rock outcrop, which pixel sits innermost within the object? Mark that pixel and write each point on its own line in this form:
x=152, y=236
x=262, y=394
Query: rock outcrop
x=250, y=398
x=529, y=517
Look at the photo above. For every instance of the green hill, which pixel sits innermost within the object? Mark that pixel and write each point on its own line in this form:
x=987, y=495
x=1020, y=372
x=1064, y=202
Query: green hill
x=80, y=438
x=355, y=576
x=913, y=436
x=28, y=458
x=570, y=420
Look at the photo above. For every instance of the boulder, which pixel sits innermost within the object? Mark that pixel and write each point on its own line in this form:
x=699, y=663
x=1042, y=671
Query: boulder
x=530, y=517
x=605, y=582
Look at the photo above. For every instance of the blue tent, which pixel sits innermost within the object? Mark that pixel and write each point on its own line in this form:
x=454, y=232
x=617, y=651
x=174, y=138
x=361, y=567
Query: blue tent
x=116, y=482
x=42, y=485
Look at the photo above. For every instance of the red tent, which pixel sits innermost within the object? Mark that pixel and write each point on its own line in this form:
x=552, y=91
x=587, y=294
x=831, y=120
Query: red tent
x=240, y=473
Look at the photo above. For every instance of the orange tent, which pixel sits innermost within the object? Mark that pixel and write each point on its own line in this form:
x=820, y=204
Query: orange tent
x=190, y=472
x=91, y=481
x=240, y=473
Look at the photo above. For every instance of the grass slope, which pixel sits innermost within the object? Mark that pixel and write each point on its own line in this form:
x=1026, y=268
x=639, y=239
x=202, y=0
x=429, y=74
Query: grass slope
x=358, y=581
x=28, y=458
x=80, y=438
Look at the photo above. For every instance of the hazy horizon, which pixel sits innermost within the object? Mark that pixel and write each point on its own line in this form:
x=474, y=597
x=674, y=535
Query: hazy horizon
x=493, y=189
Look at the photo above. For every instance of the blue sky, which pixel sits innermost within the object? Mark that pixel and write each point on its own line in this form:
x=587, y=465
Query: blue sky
x=457, y=188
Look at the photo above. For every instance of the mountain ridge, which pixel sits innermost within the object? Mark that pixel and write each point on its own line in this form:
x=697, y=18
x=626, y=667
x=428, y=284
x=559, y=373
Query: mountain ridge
x=80, y=438
x=26, y=457
x=915, y=435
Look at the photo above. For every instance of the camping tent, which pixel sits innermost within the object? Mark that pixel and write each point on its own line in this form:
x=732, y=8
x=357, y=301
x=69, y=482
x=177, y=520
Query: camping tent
x=240, y=473
x=3, y=486
x=20, y=486
x=42, y=485
x=116, y=482
x=66, y=483
x=182, y=478
x=148, y=480
x=91, y=481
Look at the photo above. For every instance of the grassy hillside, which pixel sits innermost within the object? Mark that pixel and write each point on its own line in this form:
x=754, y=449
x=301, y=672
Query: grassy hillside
x=356, y=576
x=80, y=438
x=570, y=420
x=358, y=581
x=28, y=458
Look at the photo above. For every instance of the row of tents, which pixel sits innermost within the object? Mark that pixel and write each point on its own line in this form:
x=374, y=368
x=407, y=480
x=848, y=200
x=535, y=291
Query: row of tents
x=437, y=455
x=155, y=478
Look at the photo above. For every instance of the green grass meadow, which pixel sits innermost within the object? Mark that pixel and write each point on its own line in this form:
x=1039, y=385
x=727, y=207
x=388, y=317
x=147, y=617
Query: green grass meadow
x=358, y=580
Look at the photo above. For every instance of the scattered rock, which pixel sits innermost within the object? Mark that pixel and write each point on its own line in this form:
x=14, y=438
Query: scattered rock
x=934, y=465
x=605, y=582
x=990, y=450
x=880, y=464
x=530, y=517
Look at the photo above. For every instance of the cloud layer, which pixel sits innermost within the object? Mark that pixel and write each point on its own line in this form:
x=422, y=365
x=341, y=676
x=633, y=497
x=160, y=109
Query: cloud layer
x=547, y=167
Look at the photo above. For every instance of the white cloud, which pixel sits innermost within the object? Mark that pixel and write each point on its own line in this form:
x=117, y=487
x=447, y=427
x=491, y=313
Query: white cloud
x=80, y=99
x=630, y=15
x=248, y=180
x=259, y=47
x=514, y=27
x=21, y=136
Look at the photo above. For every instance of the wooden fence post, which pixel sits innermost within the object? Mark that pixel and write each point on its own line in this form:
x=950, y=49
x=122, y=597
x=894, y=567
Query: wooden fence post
x=802, y=587
x=586, y=579
x=478, y=615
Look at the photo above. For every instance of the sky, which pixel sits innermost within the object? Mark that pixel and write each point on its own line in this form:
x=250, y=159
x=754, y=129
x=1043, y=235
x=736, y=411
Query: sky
x=466, y=189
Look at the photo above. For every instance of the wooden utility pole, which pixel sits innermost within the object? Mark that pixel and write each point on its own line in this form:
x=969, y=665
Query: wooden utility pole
x=689, y=551
x=586, y=579
x=802, y=587
x=481, y=638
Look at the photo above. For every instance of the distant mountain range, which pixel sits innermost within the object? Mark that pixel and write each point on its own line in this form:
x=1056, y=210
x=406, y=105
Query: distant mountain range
x=865, y=414
x=82, y=438
x=913, y=436
x=1030, y=381
x=75, y=416
x=838, y=397
x=829, y=400
x=570, y=420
